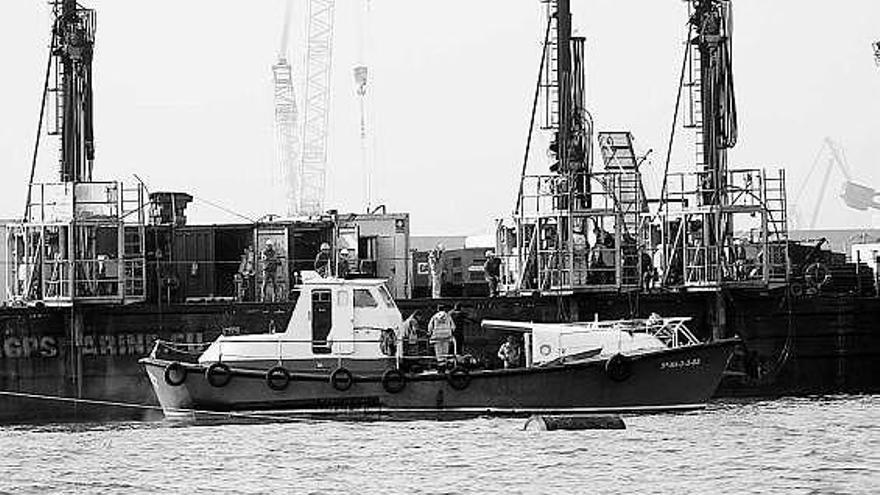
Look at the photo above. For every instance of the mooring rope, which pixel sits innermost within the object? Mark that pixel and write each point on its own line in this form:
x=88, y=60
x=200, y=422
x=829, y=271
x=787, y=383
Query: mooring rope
x=132, y=405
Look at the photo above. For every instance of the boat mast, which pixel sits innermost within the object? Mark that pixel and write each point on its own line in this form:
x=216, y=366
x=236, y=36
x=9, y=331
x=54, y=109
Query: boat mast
x=74, y=39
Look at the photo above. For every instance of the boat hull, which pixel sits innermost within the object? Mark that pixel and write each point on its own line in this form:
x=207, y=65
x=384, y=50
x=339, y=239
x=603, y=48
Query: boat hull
x=673, y=379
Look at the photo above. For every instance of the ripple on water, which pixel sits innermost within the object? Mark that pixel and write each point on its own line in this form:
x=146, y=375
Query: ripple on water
x=809, y=445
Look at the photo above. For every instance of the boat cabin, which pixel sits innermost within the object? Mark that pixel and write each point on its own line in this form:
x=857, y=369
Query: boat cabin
x=333, y=319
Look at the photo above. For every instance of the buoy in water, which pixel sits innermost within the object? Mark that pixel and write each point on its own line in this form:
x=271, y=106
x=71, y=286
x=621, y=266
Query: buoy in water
x=540, y=422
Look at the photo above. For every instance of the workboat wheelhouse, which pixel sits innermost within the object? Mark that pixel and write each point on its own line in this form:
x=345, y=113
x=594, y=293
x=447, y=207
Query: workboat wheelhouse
x=343, y=351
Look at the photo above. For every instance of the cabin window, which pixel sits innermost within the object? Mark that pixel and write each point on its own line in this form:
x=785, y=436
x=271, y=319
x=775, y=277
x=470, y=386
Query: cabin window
x=386, y=297
x=363, y=299
x=342, y=298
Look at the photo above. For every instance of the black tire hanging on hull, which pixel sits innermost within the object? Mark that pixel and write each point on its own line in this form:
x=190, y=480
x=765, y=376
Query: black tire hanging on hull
x=175, y=374
x=618, y=368
x=459, y=378
x=393, y=381
x=278, y=378
x=218, y=375
x=341, y=379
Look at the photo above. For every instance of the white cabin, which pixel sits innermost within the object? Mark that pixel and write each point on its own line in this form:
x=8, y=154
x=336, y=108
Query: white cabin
x=333, y=318
x=551, y=342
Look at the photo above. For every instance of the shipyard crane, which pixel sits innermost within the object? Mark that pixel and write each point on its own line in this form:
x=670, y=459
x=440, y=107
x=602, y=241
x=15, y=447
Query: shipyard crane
x=286, y=119
x=313, y=159
x=854, y=195
x=361, y=73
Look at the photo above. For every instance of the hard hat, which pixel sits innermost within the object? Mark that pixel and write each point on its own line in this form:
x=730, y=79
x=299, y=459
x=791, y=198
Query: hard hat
x=324, y=246
x=269, y=242
x=343, y=252
x=490, y=253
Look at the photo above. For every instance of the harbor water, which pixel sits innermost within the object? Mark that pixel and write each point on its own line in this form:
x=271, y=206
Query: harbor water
x=803, y=445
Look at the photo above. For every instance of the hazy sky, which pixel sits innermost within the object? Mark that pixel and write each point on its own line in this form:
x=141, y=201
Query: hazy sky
x=184, y=97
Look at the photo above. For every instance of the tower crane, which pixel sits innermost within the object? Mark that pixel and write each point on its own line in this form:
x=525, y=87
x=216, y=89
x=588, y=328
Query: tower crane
x=313, y=160
x=361, y=73
x=286, y=116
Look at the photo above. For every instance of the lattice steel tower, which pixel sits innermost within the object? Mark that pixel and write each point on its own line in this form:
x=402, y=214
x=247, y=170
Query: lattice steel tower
x=286, y=119
x=312, y=170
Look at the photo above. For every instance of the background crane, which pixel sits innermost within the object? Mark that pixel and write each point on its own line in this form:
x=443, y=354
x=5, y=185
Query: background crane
x=313, y=163
x=854, y=195
x=286, y=115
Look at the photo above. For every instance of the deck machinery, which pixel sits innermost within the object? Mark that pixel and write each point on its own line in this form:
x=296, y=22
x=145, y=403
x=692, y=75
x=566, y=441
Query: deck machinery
x=590, y=227
x=79, y=241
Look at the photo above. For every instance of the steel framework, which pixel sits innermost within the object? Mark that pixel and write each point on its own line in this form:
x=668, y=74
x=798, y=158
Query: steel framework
x=286, y=119
x=313, y=164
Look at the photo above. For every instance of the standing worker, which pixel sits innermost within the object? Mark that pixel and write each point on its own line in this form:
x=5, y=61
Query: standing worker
x=246, y=273
x=492, y=272
x=440, y=331
x=410, y=334
x=435, y=265
x=342, y=264
x=322, y=260
x=458, y=318
x=269, y=266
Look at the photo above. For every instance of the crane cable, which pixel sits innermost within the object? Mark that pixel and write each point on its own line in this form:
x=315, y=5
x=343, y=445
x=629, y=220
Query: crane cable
x=525, y=163
x=27, y=204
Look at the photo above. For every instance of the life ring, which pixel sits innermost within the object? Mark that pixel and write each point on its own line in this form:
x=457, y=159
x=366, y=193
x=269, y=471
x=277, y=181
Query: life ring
x=341, y=379
x=817, y=275
x=218, y=375
x=393, y=381
x=278, y=378
x=618, y=367
x=796, y=289
x=175, y=374
x=459, y=378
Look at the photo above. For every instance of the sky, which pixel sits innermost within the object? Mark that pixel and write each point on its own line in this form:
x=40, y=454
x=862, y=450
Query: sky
x=183, y=99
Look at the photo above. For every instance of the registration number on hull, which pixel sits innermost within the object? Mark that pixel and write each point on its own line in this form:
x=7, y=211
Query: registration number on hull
x=683, y=363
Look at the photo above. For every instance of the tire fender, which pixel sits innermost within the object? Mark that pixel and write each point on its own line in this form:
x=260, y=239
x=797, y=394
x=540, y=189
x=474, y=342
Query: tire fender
x=218, y=375
x=341, y=379
x=393, y=381
x=175, y=374
x=277, y=378
x=459, y=378
x=618, y=368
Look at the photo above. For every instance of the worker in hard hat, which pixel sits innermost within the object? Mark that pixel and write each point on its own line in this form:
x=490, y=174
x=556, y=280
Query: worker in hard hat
x=269, y=270
x=322, y=260
x=342, y=264
x=492, y=272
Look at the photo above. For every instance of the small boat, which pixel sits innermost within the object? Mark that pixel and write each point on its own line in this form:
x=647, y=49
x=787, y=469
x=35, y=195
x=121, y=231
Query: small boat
x=341, y=353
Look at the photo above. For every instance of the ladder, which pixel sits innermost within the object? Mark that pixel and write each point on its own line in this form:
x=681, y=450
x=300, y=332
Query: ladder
x=695, y=94
x=550, y=83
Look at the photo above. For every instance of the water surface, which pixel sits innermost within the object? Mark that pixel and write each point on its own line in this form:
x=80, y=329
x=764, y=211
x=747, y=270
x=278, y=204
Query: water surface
x=809, y=445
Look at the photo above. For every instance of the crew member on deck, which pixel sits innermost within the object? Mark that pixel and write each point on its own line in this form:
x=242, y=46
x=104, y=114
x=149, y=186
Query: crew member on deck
x=509, y=353
x=492, y=272
x=322, y=260
x=269, y=262
x=440, y=330
x=342, y=264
